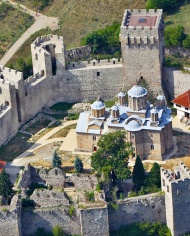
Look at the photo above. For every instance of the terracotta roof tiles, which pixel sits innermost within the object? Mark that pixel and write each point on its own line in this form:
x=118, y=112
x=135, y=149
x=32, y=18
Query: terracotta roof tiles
x=183, y=99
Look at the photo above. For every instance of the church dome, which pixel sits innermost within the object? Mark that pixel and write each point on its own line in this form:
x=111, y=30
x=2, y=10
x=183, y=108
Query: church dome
x=98, y=105
x=137, y=91
x=133, y=125
x=121, y=94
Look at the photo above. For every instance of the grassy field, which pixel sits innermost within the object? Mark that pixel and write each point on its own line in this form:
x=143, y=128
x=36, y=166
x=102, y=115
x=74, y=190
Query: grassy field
x=180, y=17
x=13, y=23
x=15, y=147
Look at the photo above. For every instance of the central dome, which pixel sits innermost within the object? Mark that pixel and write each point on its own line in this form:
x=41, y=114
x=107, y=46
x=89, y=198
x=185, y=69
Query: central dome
x=98, y=105
x=137, y=91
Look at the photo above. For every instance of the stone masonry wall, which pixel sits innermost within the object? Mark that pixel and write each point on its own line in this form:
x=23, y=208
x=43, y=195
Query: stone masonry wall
x=149, y=208
x=78, y=53
x=94, y=222
x=47, y=219
x=176, y=82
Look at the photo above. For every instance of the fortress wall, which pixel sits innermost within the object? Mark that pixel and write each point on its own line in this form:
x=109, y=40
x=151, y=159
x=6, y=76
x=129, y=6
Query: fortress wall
x=175, y=81
x=94, y=222
x=47, y=218
x=149, y=208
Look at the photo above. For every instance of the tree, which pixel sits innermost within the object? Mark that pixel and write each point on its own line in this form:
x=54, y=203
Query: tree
x=78, y=165
x=112, y=156
x=5, y=186
x=166, y=5
x=57, y=231
x=174, y=36
x=138, y=174
x=154, y=179
x=56, y=161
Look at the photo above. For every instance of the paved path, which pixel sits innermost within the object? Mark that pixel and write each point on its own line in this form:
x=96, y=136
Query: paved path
x=179, y=126
x=41, y=22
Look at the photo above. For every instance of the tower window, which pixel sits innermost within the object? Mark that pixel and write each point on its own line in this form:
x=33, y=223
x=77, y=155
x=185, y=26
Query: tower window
x=73, y=65
x=114, y=62
x=94, y=138
x=94, y=63
x=167, y=188
x=36, y=56
x=163, y=182
x=98, y=73
x=152, y=147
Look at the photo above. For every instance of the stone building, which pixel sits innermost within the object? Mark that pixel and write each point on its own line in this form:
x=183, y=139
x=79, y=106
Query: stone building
x=55, y=80
x=148, y=128
x=176, y=186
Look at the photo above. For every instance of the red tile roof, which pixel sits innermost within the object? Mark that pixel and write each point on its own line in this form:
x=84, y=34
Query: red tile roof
x=183, y=99
x=2, y=165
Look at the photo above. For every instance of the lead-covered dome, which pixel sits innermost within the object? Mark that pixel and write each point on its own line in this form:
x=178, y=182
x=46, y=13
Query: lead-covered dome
x=133, y=125
x=121, y=94
x=98, y=105
x=137, y=91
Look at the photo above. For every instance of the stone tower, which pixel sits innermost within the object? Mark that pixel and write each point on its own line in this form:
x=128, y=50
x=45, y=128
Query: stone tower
x=176, y=186
x=142, y=46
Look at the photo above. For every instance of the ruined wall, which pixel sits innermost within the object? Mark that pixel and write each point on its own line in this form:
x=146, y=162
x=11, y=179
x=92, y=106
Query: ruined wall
x=79, y=53
x=149, y=208
x=47, y=218
x=176, y=82
x=94, y=222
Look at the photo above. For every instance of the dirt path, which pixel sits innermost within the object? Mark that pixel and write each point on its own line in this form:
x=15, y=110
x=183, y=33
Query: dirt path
x=41, y=22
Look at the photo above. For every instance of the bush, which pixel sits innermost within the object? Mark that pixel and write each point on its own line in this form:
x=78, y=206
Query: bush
x=71, y=210
x=90, y=196
x=174, y=36
x=57, y=231
x=186, y=42
x=99, y=186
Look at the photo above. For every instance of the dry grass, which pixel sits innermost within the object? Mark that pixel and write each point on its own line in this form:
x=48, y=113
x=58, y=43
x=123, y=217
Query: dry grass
x=78, y=18
x=175, y=162
x=13, y=23
x=63, y=132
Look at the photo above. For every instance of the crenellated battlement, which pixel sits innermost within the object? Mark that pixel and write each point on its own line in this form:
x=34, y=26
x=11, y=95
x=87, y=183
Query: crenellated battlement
x=45, y=38
x=10, y=75
x=94, y=62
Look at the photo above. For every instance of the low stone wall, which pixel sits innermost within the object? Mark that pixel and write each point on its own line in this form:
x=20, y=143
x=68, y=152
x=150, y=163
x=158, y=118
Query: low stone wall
x=47, y=219
x=149, y=208
x=47, y=198
x=94, y=222
x=55, y=177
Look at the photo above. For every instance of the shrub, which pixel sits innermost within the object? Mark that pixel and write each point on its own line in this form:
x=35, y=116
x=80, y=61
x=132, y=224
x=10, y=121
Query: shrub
x=174, y=36
x=4, y=210
x=99, y=186
x=90, y=196
x=71, y=210
x=57, y=231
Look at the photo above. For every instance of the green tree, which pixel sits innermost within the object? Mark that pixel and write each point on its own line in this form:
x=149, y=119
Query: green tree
x=57, y=231
x=78, y=165
x=56, y=160
x=154, y=179
x=166, y=5
x=186, y=42
x=112, y=156
x=5, y=186
x=138, y=174
x=174, y=36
